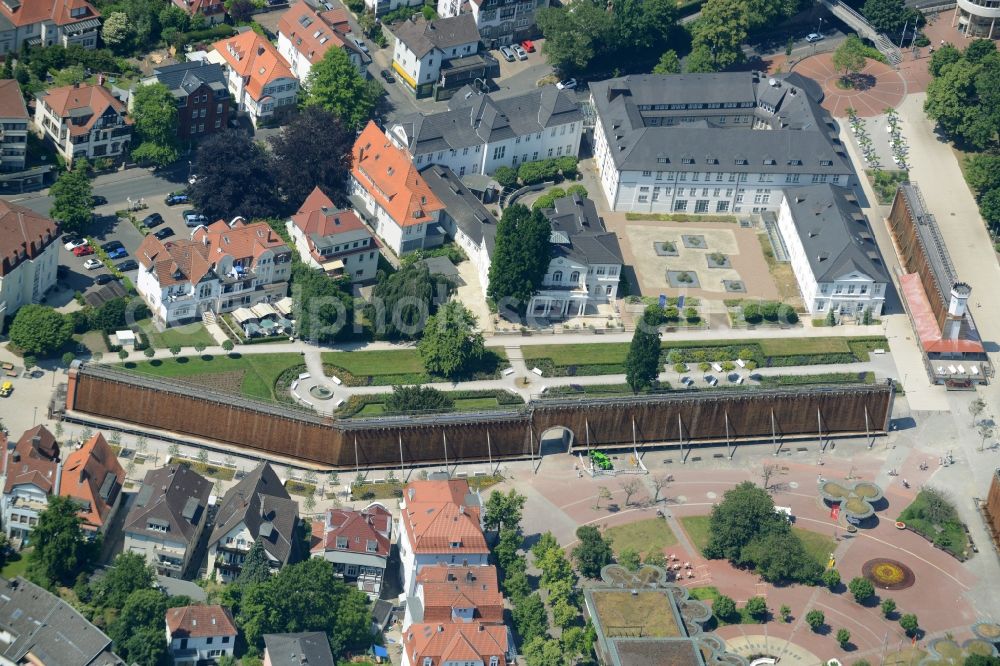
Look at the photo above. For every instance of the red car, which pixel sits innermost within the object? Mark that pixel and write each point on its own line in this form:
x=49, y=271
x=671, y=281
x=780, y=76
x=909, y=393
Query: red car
x=83, y=250
x=528, y=46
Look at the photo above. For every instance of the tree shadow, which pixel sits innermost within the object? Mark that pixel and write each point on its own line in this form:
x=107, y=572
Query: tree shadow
x=207, y=357
x=155, y=362
x=182, y=359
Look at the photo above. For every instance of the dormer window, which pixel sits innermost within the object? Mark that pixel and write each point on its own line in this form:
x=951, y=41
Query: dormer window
x=341, y=542
x=494, y=661
x=371, y=546
x=456, y=544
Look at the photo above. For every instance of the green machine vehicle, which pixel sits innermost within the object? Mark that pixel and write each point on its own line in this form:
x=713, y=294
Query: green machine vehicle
x=600, y=460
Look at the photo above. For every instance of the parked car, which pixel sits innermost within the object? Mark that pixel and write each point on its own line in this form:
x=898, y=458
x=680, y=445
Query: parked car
x=6, y=389
x=528, y=46
x=814, y=37
x=387, y=75
x=507, y=53
x=127, y=265
x=104, y=278
x=166, y=232
x=82, y=251
x=111, y=245
x=567, y=84
x=91, y=264
x=152, y=220
x=519, y=52
x=360, y=44
x=98, y=200
x=176, y=198
x=193, y=218
x=73, y=242
x=117, y=253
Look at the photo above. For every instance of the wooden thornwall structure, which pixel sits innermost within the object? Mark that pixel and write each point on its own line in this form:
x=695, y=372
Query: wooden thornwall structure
x=748, y=414
x=992, y=507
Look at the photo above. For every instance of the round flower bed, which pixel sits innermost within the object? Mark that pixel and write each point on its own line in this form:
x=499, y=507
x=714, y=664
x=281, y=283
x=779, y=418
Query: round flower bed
x=900, y=525
x=887, y=574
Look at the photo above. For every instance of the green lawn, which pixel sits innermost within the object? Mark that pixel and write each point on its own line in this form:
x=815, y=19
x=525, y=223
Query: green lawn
x=697, y=530
x=16, y=567
x=461, y=405
x=578, y=354
x=260, y=370
x=188, y=335
x=206, y=469
x=361, y=364
x=819, y=546
x=796, y=346
x=643, y=536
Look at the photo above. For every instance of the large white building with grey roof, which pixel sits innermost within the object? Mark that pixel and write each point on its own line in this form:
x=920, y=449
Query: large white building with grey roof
x=832, y=251
x=424, y=47
x=712, y=143
x=479, y=134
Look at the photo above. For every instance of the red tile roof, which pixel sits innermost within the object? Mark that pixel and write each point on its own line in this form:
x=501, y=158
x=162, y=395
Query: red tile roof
x=58, y=11
x=206, y=7
x=456, y=642
x=925, y=322
x=312, y=34
x=176, y=262
x=437, y=518
x=255, y=59
x=387, y=173
x=239, y=240
x=32, y=462
x=24, y=234
x=200, y=622
x=373, y=523
x=93, y=476
x=88, y=102
x=448, y=587
x=11, y=100
x=317, y=215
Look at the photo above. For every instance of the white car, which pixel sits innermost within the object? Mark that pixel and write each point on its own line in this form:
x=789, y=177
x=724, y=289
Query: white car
x=91, y=264
x=520, y=52
x=568, y=84
x=75, y=243
x=813, y=37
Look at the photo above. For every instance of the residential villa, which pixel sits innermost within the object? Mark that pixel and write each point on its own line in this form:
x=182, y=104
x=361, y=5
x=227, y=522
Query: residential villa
x=357, y=543
x=447, y=593
x=29, y=257
x=200, y=634
x=259, y=79
x=305, y=648
x=202, y=96
x=222, y=268
x=439, y=523
x=479, y=133
x=83, y=120
x=712, y=143
x=167, y=518
x=444, y=644
x=832, y=251
x=256, y=508
x=499, y=21
x=389, y=191
x=31, y=473
x=424, y=49
x=333, y=240
x=14, y=122
x=47, y=23
x=93, y=477
x=214, y=11
x=306, y=33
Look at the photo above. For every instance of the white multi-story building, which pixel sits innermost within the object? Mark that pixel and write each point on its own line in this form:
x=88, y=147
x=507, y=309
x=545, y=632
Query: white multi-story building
x=357, y=543
x=83, y=121
x=31, y=472
x=306, y=33
x=479, y=134
x=223, y=267
x=200, y=634
x=424, y=47
x=13, y=127
x=712, y=143
x=976, y=18
x=29, y=257
x=386, y=188
x=259, y=79
x=439, y=523
x=333, y=240
x=832, y=251
x=47, y=23
x=499, y=21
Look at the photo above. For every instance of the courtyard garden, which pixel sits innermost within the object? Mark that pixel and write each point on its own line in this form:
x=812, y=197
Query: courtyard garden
x=651, y=535
x=251, y=375
x=461, y=401
x=933, y=516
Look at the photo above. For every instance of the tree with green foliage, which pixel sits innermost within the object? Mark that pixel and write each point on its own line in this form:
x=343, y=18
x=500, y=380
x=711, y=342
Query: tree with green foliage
x=888, y=607
x=111, y=316
x=745, y=513
x=312, y=150
x=40, y=329
x=843, y=637
x=61, y=551
x=541, y=651
x=451, y=346
x=505, y=510
x=334, y=84
x=979, y=660
x=849, y=57
x=655, y=558
x=815, y=619
x=979, y=49
x=642, y=363
x=831, y=579
x=137, y=631
x=961, y=100
x=234, y=178
x=641, y=25
x=909, y=623
x=117, y=32
x=256, y=567
x=593, y=552
x=154, y=111
x=530, y=618
x=405, y=399
x=723, y=607
x=889, y=16
x=128, y=573
x=629, y=558
x=506, y=550
x=521, y=258
x=785, y=612
x=757, y=608
x=72, y=199
x=545, y=542
x=555, y=567
x=943, y=57
x=780, y=557
x=575, y=35
x=982, y=172
x=516, y=585
x=989, y=208
x=669, y=63
x=505, y=176
x=323, y=308
x=402, y=301
x=861, y=589
x=720, y=32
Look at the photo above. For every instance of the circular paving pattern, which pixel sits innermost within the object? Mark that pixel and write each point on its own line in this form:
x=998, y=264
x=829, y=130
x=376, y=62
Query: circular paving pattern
x=320, y=392
x=888, y=574
x=880, y=86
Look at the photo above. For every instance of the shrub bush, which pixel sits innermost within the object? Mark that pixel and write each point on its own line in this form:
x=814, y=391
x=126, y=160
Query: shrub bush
x=506, y=176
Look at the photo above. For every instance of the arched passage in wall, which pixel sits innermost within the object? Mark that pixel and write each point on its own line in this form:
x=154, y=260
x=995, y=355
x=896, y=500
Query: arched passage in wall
x=557, y=439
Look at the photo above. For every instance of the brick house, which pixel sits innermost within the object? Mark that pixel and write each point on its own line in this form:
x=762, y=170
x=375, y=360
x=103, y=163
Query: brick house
x=202, y=96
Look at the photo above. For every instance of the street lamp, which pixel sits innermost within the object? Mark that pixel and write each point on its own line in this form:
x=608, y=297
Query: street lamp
x=819, y=30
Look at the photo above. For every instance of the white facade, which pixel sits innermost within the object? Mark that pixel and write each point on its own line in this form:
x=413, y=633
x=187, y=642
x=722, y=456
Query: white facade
x=226, y=556
x=14, y=136
x=169, y=558
x=380, y=7
x=849, y=293
x=499, y=21
x=108, y=137
x=29, y=281
x=426, y=70
x=410, y=563
x=402, y=240
x=570, y=286
x=82, y=31
x=190, y=651
x=21, y=507
x=356, y=250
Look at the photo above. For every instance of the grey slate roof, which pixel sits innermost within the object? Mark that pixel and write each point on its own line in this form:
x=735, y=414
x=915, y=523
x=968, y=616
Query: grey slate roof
x=578, y=232
x=421, y=36
x=264, y=506
x=184, y=78
x=46, y=626
x=834, y=233
x=307, y=648
x=174, y=496
x=474, y=119
x=798, y=135
x=461, y=205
